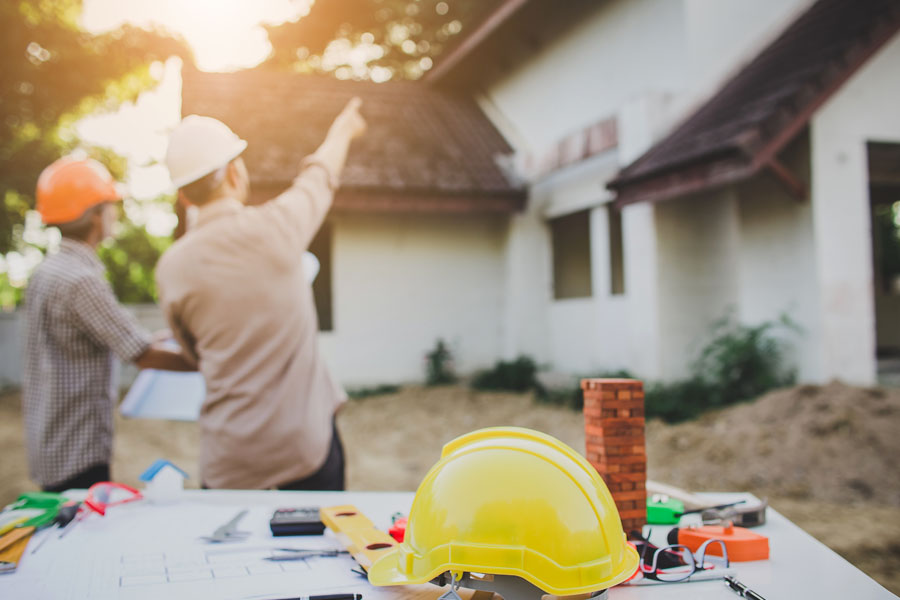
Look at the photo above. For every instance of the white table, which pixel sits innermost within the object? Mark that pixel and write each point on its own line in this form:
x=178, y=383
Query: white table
x=94, y=560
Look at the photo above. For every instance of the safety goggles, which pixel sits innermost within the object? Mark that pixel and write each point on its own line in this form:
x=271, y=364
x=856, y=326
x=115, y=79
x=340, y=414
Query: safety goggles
x=105, y=494
x=676, y=562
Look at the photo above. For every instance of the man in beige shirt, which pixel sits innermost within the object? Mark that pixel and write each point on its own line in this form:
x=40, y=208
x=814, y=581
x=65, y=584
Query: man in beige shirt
x=236, y=297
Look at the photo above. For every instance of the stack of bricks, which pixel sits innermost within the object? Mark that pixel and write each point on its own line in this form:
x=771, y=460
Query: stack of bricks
x=614, y=432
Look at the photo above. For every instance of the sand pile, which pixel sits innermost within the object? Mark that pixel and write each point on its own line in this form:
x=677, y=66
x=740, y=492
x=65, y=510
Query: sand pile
x=832, y=443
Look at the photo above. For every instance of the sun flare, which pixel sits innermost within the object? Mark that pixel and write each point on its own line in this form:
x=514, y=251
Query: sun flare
x=223, y=34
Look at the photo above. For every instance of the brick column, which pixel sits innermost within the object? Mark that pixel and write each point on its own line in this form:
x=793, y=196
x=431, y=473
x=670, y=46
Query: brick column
x=614, y=435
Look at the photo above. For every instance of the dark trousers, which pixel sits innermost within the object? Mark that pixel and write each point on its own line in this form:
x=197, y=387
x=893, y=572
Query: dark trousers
x=330, y=475
x=85, y=479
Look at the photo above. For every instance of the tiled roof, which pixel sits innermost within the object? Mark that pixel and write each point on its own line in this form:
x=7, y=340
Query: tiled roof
x=754, y=115
x=421, y=143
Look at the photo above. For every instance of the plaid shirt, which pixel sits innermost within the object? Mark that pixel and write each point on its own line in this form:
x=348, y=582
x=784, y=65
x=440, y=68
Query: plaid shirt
x=74, y=326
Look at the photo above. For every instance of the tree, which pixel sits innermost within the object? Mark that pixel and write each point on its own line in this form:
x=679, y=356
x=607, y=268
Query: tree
x=392, y=38
x=130, y=261
x=54, y=72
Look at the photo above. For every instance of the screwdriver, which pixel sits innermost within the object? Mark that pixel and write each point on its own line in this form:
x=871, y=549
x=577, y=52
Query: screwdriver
x=65, y=515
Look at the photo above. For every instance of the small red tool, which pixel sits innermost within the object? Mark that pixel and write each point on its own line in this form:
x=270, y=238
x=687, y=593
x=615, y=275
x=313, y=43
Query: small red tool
x=740, y=543
x=398, y=528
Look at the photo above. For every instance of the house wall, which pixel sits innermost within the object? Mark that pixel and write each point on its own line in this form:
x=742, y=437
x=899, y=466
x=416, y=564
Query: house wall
x=576, y=335
x=400, y=282
x=777, y=264
x=864, y=109
x=698, y=246
x=646, y=87
x=587, y=74
x=606, y=62
x=12, y=330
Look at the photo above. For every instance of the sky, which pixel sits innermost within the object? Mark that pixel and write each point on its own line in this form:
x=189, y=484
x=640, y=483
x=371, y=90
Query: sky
x=224, y=35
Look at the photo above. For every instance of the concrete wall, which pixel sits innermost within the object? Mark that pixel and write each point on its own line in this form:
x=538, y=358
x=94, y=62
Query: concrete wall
x=11, y=344
x=698, y=243
x=606, y=62
x=864, y=109
x=403, y=281
x=777, y=265
x=586, y=75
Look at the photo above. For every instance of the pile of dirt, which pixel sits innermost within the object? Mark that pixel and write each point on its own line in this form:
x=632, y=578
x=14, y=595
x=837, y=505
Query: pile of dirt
x=832, y=443
x=391, y=441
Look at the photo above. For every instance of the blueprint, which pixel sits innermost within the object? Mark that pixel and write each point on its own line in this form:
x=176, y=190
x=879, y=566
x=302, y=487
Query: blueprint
x=142, y=551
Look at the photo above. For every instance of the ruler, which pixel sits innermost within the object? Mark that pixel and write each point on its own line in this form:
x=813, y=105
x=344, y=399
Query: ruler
x=12, y=547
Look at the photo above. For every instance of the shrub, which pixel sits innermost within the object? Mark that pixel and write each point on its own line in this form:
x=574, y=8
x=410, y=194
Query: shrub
x=439, y=365
x=514, y=376
x=376, y=390
x=739, y=363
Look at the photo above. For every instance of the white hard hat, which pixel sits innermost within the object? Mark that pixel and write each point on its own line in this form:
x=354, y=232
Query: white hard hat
x=198, y=146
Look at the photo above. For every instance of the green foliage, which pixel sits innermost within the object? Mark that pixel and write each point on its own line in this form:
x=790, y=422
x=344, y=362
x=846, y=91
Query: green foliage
x=573, y=397
x=377, y=390
x=439, y=365
x=680, y=400
x=739, y=363
x=514, y=376
x=404, y=35
x=130, y=260
x=11, y=296
x=53, y=73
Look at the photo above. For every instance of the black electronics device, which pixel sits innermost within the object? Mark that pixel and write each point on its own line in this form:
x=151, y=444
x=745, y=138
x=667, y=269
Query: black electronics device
x=296, y=521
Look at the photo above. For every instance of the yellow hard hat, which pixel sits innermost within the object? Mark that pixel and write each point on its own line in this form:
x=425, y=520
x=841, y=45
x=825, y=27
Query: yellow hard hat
x=512, y=501
x=198, y=146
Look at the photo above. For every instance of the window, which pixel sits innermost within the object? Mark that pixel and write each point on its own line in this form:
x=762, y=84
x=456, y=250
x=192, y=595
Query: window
x=571, y=239
x=321, y=247
x=616, y=254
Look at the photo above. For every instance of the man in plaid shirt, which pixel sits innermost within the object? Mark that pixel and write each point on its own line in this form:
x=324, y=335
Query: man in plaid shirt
x=74, y=327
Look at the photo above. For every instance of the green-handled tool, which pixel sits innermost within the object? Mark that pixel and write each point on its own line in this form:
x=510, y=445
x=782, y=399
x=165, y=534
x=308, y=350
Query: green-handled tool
x=47, y=502
x=664, y=510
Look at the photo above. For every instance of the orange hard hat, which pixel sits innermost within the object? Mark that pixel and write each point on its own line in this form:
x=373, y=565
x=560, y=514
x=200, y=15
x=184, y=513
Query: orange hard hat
x=70, y=186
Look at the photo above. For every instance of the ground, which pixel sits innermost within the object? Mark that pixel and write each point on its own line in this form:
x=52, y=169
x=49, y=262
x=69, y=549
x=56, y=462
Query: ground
x=824, y=456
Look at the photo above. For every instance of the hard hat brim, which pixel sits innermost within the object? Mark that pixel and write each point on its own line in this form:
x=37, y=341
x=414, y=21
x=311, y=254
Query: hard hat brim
x=237, y=150
x=387, y=571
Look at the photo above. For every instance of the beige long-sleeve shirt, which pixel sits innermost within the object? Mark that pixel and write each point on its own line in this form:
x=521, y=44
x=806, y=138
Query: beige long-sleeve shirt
x=234, y=292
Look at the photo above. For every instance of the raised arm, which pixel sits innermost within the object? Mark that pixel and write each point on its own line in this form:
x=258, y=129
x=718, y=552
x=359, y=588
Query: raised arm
x=348, y=125
x=293, y=218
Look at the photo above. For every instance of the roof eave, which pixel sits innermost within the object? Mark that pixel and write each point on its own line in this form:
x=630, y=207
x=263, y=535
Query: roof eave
x=698, y=176
x=481, y=33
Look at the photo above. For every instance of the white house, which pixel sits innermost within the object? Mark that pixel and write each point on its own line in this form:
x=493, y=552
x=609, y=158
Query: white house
x=664, y=160
x=687, y=156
